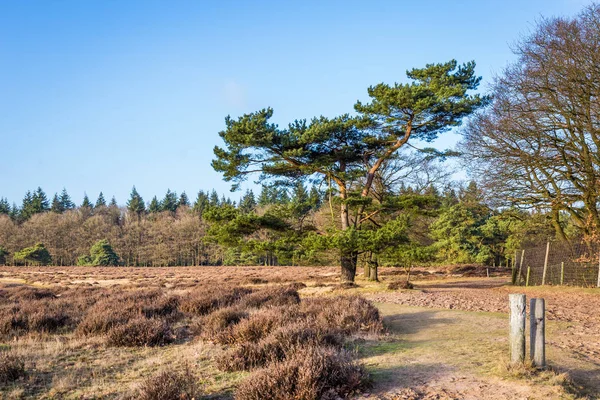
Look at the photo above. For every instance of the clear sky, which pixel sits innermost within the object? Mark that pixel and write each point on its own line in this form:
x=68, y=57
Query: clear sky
x=103, y=95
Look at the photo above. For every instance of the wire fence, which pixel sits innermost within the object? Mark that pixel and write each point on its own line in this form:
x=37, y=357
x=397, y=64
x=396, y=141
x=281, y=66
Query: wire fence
x=558, y=263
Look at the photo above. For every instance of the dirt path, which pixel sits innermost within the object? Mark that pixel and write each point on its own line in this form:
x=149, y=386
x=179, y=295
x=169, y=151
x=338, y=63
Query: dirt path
x=573, y=328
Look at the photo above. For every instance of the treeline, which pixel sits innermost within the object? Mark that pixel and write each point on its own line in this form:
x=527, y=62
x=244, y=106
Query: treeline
x=280, y=226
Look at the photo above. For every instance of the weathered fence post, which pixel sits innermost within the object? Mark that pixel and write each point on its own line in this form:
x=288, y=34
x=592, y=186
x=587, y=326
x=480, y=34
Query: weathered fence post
x=537, y=332
x=545, y=264
x=528, y=274
x=562, y=273
x=517, y=328
x=521, y=265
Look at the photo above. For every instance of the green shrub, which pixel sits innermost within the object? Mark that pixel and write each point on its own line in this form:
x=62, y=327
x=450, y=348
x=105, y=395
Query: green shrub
x=35, y=255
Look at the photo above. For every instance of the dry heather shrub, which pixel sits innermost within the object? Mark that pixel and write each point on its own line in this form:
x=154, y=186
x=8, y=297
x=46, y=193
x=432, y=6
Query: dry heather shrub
x=257, y=281
x=310, y=374
x=217, y=326
x=259, y=325
x=349, y=314
x=31, y=293
x=278, y=346
x=168, y=385
x=274, y=296
x=140, y=332
x=118, y=309
x=12, y=368
x=205, y=300
x=400, y=285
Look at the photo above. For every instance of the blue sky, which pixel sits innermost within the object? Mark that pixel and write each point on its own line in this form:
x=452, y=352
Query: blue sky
x=103, y=95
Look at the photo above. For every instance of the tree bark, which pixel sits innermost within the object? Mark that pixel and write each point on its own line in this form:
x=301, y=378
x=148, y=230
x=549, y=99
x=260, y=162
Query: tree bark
x=348, y=262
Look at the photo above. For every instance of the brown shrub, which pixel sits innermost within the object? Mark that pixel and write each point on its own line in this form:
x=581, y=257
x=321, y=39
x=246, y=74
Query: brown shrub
x=12, y=368
x=140, y=332
x=349, y=314
x=273, y=296
x=217, y=326
x=396, y=285
x=31, y=293
x=311, y=373
x=259, y=325
x=204, y=301
x=168, y=385
x=279, y=345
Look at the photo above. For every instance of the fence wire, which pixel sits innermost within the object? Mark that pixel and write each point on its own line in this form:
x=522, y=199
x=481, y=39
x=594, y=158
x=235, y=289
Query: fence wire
x=574, y=264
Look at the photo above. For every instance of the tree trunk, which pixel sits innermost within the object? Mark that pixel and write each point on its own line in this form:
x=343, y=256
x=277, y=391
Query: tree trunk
x=348, y=261
x=373, y=268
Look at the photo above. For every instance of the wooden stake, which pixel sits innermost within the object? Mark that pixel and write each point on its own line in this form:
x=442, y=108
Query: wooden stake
x=537, y=332
x=545, y=264
x=562, y=273
x=528, y=273
x=517, y=328
x=598, y=283
x=521, y=265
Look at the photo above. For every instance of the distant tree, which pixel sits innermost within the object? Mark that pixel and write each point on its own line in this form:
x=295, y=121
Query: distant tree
x=102, y=254
x=154, y=206
x=65, y=201
x=113, y=202
x=169, y=203
x=86, y=203
x=201, y=203
x=247, y=202
x=34, y=203
x=3, y=254
x=184, y=200
x=4, y=206
x=100, y=202
x=214, y=199
x=35, y=255
x=264, y=198
x=314, y=198
x=56, y=206
x=135, y=204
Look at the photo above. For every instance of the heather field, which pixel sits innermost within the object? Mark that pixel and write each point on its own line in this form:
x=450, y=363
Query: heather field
x=279, y=333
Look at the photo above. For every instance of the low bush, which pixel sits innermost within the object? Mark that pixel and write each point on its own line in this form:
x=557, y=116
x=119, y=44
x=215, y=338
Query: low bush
x=168, y=385
x=396, y=285
x=273, y=296
x=140, y=332
x=217, y=326
x=260, y=324
x=311, y=373
x=12, y=368
x=349, y=314
x=204, y=301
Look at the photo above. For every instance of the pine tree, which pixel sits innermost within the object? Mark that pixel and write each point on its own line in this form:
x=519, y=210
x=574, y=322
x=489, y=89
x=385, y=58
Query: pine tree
x=4, y=206
x=27, y=208
x=201, y=203
x=100, y=202
x=56, y=206
x=247, y=202
x=214, y=199
x=113, y=202
x=135, y=205
x=184, y=200
x=154, y=206
x=169, y=203
x=14, y=212
x=300, y=195
x=86, y=202
x=65, y=201
x=314, y=198
x=264, y=198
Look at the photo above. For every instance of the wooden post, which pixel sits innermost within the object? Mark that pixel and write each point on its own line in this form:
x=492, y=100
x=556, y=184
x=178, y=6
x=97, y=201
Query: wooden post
x=517, y=328
x=528, y=273
x=537, y=332
x=521, y=265
x=545, y=264
x=562, y=273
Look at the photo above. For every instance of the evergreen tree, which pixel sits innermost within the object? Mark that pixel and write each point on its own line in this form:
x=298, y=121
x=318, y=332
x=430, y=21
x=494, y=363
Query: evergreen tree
x=154, y=206
x=300, y=195
x=100, y=202
x=4, y=206
x=264, y=198
x=27, y=210
x=113, y=202
x=14, y=212
x=214, y=199
x=184, y=200
x=102, y=254
x=56, y=206
x=315, y=198
x=169, y=203
x=201, y=203
x=35, y=255
x=65, y=201
x=282, y=196
x=3, y=254
x=247, y=202
x=87, y=204
x=135, y=205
